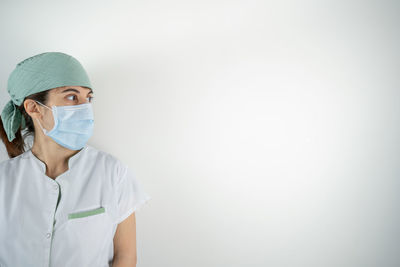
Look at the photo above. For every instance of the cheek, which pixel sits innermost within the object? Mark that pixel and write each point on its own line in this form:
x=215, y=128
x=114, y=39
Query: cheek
x=49, y=120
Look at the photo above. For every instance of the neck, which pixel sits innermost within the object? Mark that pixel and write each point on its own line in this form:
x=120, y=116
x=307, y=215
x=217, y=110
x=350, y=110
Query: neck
x=52, y=154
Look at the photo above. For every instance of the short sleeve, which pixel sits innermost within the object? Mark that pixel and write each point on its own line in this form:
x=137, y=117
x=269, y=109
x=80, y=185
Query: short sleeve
x=130, y=195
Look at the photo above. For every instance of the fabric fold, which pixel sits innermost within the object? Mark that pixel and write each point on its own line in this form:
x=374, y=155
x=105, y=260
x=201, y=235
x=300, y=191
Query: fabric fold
x=12, y=119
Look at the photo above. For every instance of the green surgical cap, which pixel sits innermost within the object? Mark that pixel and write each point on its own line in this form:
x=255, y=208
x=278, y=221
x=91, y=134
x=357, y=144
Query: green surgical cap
x=37, y=74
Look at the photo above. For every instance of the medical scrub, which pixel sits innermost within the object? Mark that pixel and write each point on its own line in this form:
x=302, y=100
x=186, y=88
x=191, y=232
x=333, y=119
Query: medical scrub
x=67, y=221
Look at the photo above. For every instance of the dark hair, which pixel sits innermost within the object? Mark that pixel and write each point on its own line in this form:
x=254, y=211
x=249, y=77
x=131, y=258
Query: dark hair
x=17, y=146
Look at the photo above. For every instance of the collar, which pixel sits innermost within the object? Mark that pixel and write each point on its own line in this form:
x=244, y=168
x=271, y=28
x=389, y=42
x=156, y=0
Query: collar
x=71, y=160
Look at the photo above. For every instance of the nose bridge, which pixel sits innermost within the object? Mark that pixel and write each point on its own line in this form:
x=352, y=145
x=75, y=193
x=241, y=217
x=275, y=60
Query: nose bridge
x=86, y=100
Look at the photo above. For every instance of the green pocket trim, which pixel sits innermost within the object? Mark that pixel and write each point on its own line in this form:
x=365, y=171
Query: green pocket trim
x=86, y=213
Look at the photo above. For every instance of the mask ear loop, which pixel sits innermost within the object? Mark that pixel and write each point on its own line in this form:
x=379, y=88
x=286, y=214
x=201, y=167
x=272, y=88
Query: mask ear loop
x=43, y=129
x=43, y=105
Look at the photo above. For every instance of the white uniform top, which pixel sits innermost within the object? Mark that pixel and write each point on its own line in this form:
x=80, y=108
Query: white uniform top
x=67, y=221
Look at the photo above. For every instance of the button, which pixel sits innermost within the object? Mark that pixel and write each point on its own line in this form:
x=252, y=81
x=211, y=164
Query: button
x=48, y=235
x=55, y=187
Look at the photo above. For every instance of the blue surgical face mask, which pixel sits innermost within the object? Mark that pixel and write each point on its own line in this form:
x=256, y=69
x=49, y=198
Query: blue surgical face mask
x=73, y=125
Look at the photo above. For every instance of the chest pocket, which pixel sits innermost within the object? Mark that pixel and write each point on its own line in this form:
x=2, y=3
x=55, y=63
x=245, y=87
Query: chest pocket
x=84, y=214
x=86, y=233
x=97, y=219
x=89, y=229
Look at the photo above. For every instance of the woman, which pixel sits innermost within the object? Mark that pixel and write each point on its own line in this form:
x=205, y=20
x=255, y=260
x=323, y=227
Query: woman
x=62, y=202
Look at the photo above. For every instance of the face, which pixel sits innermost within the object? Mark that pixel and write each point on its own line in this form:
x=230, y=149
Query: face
x=60, y=96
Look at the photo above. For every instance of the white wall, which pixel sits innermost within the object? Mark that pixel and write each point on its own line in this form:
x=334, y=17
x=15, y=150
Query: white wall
x=267, y=132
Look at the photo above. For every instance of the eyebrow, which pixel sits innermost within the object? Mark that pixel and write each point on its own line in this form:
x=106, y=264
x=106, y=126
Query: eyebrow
x=75, y=90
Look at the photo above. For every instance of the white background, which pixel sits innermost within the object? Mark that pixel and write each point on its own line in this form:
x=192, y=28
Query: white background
x=266, y=132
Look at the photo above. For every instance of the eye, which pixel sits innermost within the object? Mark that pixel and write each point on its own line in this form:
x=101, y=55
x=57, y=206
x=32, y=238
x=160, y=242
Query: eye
x=72, y=96
x=90, y=98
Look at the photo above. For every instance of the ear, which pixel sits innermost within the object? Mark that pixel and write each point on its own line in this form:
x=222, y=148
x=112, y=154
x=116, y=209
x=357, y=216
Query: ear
x=32, y=108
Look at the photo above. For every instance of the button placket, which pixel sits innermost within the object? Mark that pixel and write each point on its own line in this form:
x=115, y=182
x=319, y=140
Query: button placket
x=55, y=192
x=56, y=188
